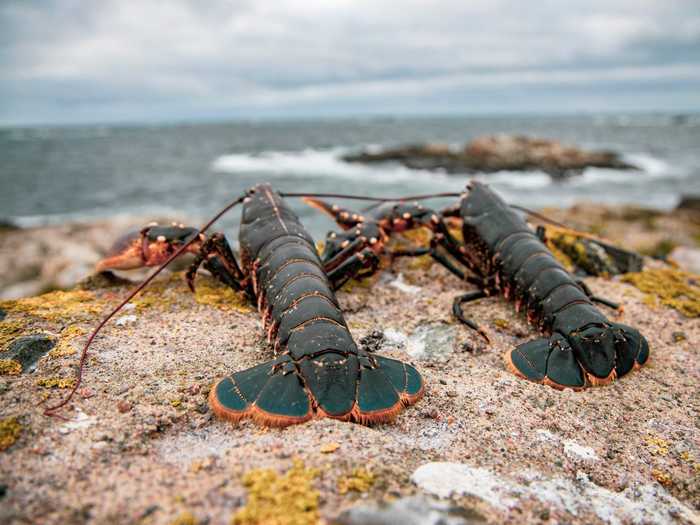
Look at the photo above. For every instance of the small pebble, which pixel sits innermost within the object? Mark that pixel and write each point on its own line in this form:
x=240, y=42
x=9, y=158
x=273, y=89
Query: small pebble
x=123, y=406
x=678, y=337
x=451, y=393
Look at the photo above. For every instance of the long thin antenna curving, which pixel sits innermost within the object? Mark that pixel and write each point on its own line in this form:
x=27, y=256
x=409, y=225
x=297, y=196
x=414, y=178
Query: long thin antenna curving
x=51, y=411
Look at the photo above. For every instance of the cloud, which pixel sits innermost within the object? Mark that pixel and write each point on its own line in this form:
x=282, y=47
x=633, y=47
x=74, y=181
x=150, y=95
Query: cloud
x=120, y=60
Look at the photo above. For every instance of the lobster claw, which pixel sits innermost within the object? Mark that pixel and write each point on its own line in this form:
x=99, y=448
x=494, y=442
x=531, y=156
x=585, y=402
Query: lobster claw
x=150, y=246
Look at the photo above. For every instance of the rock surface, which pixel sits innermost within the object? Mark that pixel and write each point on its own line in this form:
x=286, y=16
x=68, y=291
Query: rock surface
x=497, y=153
x=140, y=431
x=27, y=350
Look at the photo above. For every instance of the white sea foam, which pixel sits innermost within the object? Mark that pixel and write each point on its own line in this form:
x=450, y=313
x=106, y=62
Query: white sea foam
x=315, y=162
x=329, y=163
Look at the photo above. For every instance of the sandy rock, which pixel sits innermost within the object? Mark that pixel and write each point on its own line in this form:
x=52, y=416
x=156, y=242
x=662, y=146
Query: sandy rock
x=628, y=452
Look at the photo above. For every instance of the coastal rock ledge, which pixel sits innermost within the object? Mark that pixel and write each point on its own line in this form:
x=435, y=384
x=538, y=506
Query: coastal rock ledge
x=494, y=153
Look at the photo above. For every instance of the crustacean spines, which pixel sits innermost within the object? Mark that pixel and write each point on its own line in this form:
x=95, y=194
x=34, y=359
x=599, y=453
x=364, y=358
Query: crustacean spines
x=150, y=246
x=585, y=348
x=557, y=360
x=274, y=395
x=345, y=218
x=320, y=372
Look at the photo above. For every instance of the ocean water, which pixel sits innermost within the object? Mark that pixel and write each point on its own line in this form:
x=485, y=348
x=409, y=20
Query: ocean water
x=54, y=175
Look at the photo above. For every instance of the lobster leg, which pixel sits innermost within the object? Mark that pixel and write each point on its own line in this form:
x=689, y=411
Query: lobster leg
x=344, y=218
x=449, y=265
x=459, y=313
x=596, y=299
x=217, y=257
x=361, y=264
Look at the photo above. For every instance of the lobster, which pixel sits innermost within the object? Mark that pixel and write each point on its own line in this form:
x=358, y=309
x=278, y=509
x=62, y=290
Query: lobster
x=502, y=255
x=318, y=370
x=368, y=233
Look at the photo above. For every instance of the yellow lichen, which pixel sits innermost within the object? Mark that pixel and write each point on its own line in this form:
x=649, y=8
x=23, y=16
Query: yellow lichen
x=65, y=342
x=673, y=288
x=56, y=382
x=10, y=430
x=359, y=480
x=328, y=448
x=9, y=331
x=211, y=293
x=175, y=403
x=185, y=518
x=57, y=306
x=662, y=477
x=10, y=367
x=657, y=445
x=501, y=323
x=274, y=499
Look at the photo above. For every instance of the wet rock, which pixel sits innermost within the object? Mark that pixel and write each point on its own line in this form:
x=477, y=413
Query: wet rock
x=28, y=350
x=414, y=510
x=433, y=342
x=102, y=280
x=3, y=314
x=497, y=153
x=7, y=225
x=689, y=202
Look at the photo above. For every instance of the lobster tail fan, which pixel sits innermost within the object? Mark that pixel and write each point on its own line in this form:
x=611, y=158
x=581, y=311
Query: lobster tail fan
x=266, y=393
x=546, y=360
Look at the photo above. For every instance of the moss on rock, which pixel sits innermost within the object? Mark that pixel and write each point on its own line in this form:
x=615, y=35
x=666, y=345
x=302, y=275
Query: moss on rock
x=673, y=288
x=274, y=499
x=57, y=306
x=211, y=293
x=10, y=367
x=359, y=480
x=10, y=430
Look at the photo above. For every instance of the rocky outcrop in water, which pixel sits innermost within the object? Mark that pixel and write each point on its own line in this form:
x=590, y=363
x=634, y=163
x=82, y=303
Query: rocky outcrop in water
x=497, y=153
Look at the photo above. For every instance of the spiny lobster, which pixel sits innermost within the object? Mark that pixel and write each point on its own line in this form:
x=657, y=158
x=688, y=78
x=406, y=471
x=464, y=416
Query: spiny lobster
x=502, y=255
x=319, y=371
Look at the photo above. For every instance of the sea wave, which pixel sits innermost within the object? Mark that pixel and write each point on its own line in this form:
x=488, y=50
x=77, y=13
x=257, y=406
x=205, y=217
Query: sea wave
x=314, y=163
x=329, y=163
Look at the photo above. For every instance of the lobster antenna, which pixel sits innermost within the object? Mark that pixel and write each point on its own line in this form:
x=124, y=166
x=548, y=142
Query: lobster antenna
x=539, y=216
x=51, y=411
x=366, y=198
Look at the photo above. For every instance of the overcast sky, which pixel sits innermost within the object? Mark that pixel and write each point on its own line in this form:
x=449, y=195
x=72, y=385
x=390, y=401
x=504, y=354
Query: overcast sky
x=118, y=60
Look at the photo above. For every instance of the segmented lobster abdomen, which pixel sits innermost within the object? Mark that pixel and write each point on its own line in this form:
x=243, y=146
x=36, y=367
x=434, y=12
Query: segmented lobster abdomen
x=299, y=308
x=320, y=370
x=527, y=272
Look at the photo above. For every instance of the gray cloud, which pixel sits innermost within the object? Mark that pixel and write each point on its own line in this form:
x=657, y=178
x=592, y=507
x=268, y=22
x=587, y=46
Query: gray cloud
x=71, y=61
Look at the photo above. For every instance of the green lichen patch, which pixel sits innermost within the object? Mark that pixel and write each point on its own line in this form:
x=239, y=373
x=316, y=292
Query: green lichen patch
x=275, y=499
x=669, y=286
x=359, y=480
x=10, y=430
x=57, y=306
x=211, y=293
